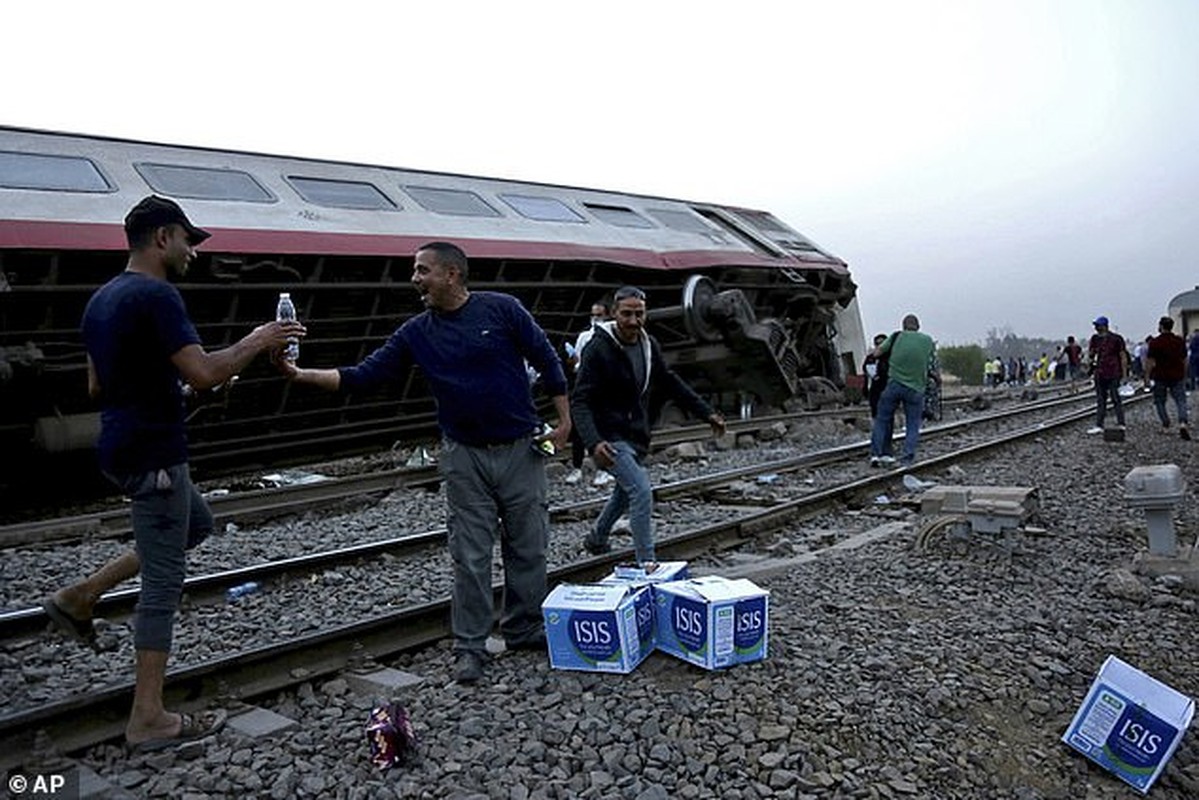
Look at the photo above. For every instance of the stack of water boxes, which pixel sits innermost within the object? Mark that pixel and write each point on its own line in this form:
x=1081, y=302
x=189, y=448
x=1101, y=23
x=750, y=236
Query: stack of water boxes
x=613, y=625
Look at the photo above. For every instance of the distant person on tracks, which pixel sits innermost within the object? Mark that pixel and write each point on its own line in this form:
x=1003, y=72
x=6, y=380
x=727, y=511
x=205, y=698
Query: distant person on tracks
x=1107, y=361
x=912, y=366
x=1165, y=365
x=875, y=368
x=620, y=369
x=140, y=343
x=472, y=348
x=1073, y=353
x=1193, y=360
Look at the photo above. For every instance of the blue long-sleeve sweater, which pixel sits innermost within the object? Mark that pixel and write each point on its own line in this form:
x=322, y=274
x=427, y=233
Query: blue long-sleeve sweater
x=474, y=360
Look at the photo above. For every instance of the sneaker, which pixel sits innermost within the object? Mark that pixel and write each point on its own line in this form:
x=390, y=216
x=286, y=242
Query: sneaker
x=596, y=548
x=602, y=479
x=886, y=461
x=1094, y=429
x=1184, y=432
x=468, y=666
x=573, y=477
x=875, y=461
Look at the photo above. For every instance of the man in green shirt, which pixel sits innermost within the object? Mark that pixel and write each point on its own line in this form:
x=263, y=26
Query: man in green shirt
x=910, y=356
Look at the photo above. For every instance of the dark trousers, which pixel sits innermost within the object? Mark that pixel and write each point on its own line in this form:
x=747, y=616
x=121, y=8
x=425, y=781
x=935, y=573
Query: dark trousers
x=1105, y=388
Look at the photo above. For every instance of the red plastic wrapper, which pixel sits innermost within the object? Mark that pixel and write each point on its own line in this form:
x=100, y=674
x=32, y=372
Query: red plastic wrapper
x=390, y=735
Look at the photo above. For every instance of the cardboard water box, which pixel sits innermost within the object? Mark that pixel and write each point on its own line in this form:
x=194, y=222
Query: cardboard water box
x=658, y=572
x=646, y=575
x=598, y=627
x=711, y=621
x=1129, y=723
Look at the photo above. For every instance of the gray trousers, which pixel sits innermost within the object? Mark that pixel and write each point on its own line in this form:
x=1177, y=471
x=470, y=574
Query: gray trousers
x=484, y=487
x=169, y=518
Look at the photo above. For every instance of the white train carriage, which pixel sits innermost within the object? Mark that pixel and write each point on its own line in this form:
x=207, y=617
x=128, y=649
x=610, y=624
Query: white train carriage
x=747, y=309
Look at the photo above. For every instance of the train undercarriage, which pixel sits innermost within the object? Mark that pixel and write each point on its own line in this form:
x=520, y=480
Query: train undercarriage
x=739, y=335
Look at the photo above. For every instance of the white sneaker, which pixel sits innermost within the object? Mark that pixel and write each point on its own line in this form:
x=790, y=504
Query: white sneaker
x=573, y=477
x=1095, y=429
x=887, y=461
x=602, y=479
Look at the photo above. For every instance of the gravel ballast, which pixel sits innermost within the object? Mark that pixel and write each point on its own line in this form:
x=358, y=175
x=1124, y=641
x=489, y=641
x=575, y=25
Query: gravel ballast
x=892, y=673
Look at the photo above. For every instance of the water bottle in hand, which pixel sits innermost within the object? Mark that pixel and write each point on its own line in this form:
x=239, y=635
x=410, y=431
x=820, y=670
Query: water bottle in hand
x=286, y=312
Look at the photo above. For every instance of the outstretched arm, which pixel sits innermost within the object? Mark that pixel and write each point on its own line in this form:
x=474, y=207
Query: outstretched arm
x=327, y=379
x=203, y=370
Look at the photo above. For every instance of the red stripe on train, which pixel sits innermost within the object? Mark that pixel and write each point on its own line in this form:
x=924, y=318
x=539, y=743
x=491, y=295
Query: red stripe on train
x=41, y=235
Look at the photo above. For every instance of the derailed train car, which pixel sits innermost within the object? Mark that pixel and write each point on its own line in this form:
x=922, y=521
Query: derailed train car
x=747, y=309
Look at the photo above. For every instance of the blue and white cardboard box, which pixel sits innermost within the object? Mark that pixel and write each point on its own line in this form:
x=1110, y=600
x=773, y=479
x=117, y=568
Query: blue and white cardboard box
x=1130, y=723
x=637, y=575
x=659, y=572
x=595, y=627
x=712, y=622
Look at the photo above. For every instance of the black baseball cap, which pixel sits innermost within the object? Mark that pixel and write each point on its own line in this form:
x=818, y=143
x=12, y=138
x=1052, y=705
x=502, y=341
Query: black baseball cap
x=154, y=212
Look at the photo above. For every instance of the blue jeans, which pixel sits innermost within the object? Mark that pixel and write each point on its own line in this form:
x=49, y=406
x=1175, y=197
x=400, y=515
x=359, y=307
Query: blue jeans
x=884, y=424
x=482, y=485
x=1177, y=391
x=169, y=518
x=1105, y=388
x=632, y=493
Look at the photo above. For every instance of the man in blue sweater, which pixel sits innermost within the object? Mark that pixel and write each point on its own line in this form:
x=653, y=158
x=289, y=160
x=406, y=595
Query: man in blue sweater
x=472, y=348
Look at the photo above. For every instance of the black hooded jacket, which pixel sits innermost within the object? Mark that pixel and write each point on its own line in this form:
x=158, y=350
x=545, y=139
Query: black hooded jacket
x=608, y=406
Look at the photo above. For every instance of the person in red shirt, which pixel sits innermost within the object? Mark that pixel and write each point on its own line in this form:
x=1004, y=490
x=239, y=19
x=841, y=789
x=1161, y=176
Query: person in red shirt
x=1073, y=357
x=1107, y=359
x=1166, y=366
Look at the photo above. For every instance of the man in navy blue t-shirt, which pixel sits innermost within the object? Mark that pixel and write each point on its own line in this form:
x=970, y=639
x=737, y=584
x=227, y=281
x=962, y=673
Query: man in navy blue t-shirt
x=472, y=348
x=140, y=344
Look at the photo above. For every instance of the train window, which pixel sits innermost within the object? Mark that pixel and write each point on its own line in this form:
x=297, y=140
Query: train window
x=341, y=194
x=59, y=173
x=204, y=183
x=546, y=209
x=764, y=221
x=451, y=201
x=619, y=216
x=680, y=220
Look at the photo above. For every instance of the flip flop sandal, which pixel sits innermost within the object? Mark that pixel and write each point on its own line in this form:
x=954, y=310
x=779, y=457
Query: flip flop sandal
x=191, y=728
x=81, y=630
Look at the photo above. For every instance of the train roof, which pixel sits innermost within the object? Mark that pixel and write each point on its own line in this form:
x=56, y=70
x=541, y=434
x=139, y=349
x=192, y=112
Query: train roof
x=67, y=190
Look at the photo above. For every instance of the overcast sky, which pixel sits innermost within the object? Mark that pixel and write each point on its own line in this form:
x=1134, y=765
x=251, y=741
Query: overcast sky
x=985, y=164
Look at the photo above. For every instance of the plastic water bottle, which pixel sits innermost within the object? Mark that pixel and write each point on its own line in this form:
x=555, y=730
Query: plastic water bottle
x=286, y=312
x=241, y=590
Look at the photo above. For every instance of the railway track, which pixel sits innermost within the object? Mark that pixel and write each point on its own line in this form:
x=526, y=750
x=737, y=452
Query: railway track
x=87, y=718
x=255, y=505
x=259, y=504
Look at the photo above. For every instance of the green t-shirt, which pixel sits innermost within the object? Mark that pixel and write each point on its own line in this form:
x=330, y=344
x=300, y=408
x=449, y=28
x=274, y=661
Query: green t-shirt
x=911, y=354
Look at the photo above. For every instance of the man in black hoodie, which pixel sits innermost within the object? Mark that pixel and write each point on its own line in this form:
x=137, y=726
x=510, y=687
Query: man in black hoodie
x=610, y=407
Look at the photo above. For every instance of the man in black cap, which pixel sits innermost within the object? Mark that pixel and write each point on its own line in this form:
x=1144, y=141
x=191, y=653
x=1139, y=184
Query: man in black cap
x=140, y=344
x=1107, y=359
